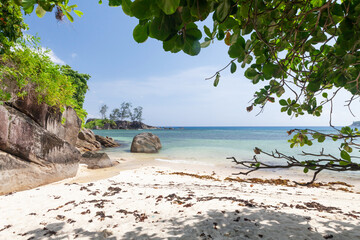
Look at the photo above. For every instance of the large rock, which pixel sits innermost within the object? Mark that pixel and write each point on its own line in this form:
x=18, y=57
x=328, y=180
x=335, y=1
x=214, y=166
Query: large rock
x=106, y=141
x=86, y=141
x=145, y=143
x=31, y=155
x=95, y=160
x=65, y=125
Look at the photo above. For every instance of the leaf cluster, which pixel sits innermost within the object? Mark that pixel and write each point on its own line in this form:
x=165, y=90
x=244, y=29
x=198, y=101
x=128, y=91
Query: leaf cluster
x=11, y=24
x=42, y=6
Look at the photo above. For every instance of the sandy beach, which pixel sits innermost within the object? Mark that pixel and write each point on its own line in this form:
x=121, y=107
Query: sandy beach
x=142, y=201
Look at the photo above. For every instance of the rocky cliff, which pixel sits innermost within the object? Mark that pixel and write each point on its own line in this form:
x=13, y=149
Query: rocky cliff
x=36, y=144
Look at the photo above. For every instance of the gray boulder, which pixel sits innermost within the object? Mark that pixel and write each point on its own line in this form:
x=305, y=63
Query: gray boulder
x=95, y=160
x=50, y=118
x=86, y=141
x=106, y=141
x=30, y=154
x=145, y=143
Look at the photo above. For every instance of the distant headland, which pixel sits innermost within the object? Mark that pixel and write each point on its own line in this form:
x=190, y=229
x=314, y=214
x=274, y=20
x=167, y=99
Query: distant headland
x=355, y=124
x=107, y=124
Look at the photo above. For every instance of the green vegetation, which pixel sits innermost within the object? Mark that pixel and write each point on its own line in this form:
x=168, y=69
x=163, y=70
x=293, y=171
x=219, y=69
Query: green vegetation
x=103, y=110
x=125, y=112
x=99, y=123
x=309, y=49
x=11, y=24
x=27, y=69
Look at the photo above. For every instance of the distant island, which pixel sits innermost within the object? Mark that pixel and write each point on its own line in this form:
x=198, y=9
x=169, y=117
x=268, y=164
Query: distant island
x=117, y=119
x=107, y=124
x=355, y=124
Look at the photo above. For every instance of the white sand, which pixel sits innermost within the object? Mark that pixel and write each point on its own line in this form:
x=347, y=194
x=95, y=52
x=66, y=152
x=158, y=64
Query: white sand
x=144, y=203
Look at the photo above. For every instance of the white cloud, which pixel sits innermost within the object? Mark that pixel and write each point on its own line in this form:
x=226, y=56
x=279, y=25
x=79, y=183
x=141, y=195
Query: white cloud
x=185, y=98
x=55, y=59
x=74, y=55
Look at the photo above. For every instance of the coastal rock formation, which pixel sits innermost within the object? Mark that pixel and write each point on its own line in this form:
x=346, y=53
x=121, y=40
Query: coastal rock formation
x=120, y=125
x=106, y=141
x=132, y=125
x=65, y=125
x=96, y=160
x=86, y=141
x=36, y=149
x=145, y=143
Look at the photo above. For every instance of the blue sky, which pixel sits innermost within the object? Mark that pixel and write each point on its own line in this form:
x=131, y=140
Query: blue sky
x=170, y=87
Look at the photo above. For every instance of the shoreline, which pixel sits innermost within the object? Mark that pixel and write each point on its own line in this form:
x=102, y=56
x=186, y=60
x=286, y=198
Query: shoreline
x=164, y=201
x=222, y=170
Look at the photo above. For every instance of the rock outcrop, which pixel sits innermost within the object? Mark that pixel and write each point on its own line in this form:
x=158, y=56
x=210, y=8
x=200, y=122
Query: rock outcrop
x=106, y=141
x=95, y=160
x=86, y=141
x=35, y=147
x=65, y=125
x=132, y=125
x=145, y=143
x=122, y=125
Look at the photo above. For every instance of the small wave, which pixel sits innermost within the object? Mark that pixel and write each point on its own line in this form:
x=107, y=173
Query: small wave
x=184, y=162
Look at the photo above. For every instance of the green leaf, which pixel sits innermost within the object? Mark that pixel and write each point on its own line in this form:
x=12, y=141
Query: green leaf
x=207, y=31
x=141, y=9
x=141, y=33
x=313, y=86
x=235, y=50
x=28, y=5
x=220, y=36
x=306, y=170
x=168, y=6
x=158, y=29
x=233, y=67
x=69, y=8
x=283, y=102
x=193, y=33
x=317, y=3
x=40, y=12
x=344, y=155
x=205, y=44
x=217, y=79
x=191, y=47
x=115, y=3
x=270, y=70
x=349, y=59
x=343, y=163
x=250, y=73
x=126, y=7
x=79, y=13
x=223, y=10
x=69, y=16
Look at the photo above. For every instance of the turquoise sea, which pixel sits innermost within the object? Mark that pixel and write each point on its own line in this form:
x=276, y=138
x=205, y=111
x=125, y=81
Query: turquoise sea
x=212, y=145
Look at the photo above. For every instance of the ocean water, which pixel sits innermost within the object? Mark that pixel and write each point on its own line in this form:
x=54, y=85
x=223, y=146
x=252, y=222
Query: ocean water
x=212, y=145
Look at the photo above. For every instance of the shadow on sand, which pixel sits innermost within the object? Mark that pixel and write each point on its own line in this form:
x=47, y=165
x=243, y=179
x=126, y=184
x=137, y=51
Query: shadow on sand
x=249, y=223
